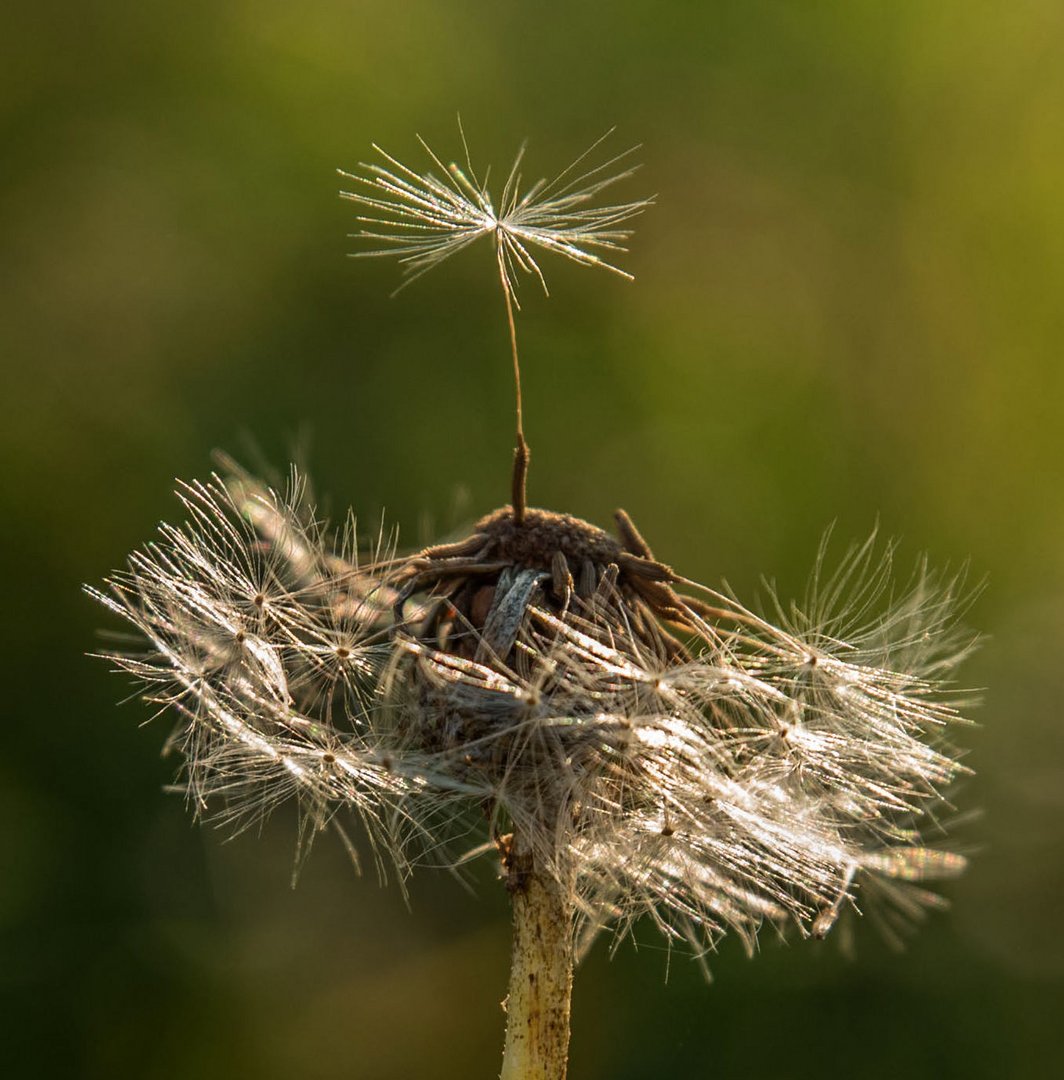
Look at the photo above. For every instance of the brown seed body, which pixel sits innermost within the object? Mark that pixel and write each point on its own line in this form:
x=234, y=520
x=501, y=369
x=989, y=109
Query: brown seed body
x=543, y=533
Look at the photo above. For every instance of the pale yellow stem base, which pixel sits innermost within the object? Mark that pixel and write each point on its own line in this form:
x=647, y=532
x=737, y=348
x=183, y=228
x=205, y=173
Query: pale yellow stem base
x=541, y=981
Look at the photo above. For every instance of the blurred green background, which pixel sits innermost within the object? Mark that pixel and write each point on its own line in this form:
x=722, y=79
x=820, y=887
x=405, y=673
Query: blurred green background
x=847, y=306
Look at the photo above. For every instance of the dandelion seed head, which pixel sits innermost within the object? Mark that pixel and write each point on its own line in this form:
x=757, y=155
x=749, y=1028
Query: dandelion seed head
x=664, y=750
x=641, y=745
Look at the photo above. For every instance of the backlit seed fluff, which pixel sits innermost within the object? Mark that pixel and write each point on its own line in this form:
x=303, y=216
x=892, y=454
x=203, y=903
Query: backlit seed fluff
x=662, y=750
x=424, y=218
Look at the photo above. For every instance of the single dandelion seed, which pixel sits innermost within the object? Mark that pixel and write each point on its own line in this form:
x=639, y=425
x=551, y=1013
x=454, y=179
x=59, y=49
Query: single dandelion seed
x=631, y=744
x=424, y=218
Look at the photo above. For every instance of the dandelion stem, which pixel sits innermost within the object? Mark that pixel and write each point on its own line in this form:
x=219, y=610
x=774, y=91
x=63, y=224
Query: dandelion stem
x=522, y=453
x=541, y=977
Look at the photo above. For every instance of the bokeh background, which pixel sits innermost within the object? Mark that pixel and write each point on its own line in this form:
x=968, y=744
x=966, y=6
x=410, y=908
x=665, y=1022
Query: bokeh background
x=847, y=308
